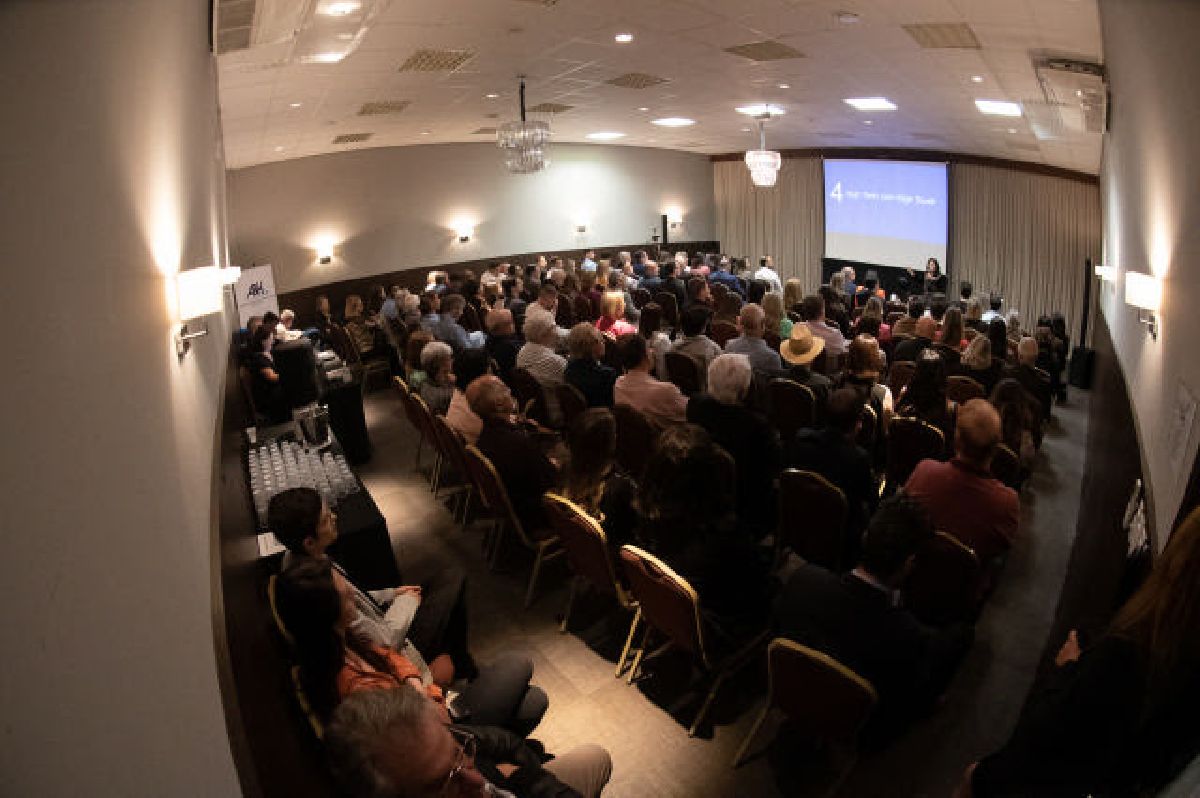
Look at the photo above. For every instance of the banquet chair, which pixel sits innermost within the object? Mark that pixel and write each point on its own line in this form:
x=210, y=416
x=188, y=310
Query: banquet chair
x=1006, y=467
x=591, y=563
x=543, y=543
x=424, y=418
x=571, y=403
x=640, y=297
x=454, y=466
x=671, y=608
x=411, y=412
x=792, y=406
x=670, y=307
x=868, y=430
x=530, y=395
x=944, y=583
x=909, y=441
x=719, y=291
x=723, y=332
x=306, y=707
x=684, y=371
x=899, y=375
x=412, y=351
x=636, y=436
x=962, y=389
x=822, y=698
x=812, y=519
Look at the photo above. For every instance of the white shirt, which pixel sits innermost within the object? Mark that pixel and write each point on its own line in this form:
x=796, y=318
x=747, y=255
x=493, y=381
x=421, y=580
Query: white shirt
x=770, y=276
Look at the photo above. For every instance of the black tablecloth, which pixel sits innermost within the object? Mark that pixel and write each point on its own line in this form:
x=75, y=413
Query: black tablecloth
x=347, y=419
x=363, y=547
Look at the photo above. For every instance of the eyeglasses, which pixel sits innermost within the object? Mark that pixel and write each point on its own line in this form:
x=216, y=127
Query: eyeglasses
x=467, y=746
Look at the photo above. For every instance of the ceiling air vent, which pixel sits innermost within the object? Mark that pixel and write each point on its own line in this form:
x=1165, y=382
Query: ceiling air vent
x=351, y=138
x=765, y=51
x=943, y=35
x=635, y=80
x=436, y=60
x=383, y=107
x=484, y=131
x=550, y=108
x=235, y=19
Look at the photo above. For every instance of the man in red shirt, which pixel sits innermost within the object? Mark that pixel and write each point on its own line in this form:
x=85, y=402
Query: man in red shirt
x=961, y=496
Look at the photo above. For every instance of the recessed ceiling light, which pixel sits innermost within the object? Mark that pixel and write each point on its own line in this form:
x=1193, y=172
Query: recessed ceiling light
x=424, y=132
x=998, y=107
x=491, y=95
x=746, y=130
x=761, y=109
x=977, y=78
x=785, y=85
x=294, y=105
x=674, y=121
x=643, y=108
x=871, y=103
x=868, y=122
x=847, y=17
x=623, y=38
x=339, y=8
x=1012, y=130
x=327, y=58
x=605, y=135
x=279, y=149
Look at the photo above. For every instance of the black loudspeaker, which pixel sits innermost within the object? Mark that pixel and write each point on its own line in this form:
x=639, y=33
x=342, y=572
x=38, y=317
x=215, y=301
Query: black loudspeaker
x=1083, y=365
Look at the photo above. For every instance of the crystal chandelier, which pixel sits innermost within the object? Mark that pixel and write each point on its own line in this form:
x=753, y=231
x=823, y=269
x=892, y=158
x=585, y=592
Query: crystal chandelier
x=524, y=142
x=763, y=163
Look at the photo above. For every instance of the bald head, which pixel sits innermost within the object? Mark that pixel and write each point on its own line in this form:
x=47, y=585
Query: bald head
x=978, y=431
x=500, y=322
x=1027, y=351
x=489, y=397
x=926, y=327
x=751, y=320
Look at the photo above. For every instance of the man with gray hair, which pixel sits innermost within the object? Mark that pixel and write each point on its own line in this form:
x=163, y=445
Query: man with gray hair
x=750, y=343
x=1034, y=380
x=750, y=440
x=447, y=329
x=392, y=744
x=538, y=357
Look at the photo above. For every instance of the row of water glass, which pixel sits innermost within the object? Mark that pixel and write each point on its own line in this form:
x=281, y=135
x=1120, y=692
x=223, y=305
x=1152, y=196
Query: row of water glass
x=279, y=466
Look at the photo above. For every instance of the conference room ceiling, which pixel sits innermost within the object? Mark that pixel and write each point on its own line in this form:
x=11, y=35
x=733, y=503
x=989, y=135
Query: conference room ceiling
x=678, y=65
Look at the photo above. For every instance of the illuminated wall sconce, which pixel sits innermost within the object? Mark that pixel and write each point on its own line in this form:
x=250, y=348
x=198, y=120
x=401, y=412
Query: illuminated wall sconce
x=200, y=293
x=464, y=230
x=1106, y=273
x=674, y=217
x=581, y=228
x=325, y=251
x=1144, y=292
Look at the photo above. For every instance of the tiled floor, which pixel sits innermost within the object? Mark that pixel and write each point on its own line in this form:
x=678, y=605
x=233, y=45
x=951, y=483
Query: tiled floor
x=652, y=754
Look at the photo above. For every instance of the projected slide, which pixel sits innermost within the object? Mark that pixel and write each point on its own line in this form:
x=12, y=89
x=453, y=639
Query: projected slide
x=888, y=212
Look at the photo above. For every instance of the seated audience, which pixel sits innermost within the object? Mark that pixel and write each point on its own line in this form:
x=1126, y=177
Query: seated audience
x=584, y=371
x=1017, y=419
x=395, y=743
x=591, y=478
x=997, y=333
x=650, y=328
x=793, y=295
x=978, y=364
x=925, y=398
x=698, y=293
x=265, y=387
x=961, y=495
x=437, y=361
x=863, y=367
x=855, y=619
x=513, y=301
x=973, y=315
x=812, y=309
x=951, y=333
x=432, y=616
x=938, y=305
x=673, y=285
x=874, y=310
x=538, y=357
x=766, y=272
x=651, y=282
x=729, y=305
x=693, y=342
x=834, y=296
x=907, y=325
x=833, y=453
x=1117, y=715
x=725, y=277
x=776, y=317
x=799, y=351
x=747, y=436
x=1032, y=379
x=995, y=303
x=410, y=310
x=468, y=366
x=546, y=307
x=360, y=328
x=503, y=343
x=661, y=402
x=922, y=339
x=515, y=450
x=687, y=500
x=612, y=316
x=751, y=344
x=324, y=318
x=447, y=329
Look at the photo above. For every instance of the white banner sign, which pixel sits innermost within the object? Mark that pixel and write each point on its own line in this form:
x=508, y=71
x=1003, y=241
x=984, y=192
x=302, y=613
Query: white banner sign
x=256, y=293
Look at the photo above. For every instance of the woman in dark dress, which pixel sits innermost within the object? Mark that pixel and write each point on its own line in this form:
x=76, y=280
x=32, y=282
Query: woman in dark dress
x=266, y=388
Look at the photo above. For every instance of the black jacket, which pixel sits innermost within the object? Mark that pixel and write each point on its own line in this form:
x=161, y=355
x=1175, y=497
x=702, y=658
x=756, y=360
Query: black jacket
x=911, y=348
x=523, y=468
x=593, y=379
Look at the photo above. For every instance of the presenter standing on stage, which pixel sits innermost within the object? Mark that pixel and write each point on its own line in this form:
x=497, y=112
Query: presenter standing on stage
x=935, y=281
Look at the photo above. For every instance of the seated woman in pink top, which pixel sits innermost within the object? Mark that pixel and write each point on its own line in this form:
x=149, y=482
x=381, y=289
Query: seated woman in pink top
x=612, y=316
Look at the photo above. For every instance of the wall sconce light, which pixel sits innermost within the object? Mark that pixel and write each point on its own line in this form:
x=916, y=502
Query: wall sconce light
x=1144, y=292
x=674, y=217
x=1106, y=273
x=581, y=228
x=325, y=251
x=464, y=230
x=200, y=293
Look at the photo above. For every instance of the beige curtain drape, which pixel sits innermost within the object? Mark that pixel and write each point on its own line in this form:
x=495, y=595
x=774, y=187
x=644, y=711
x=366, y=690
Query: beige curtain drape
x=1026, y=236
x=786, y=222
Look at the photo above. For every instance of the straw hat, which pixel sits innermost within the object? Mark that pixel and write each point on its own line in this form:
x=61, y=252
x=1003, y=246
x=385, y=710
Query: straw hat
x=801, y=347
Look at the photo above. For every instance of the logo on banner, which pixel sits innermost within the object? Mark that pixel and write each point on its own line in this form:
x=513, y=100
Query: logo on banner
x=257, y=290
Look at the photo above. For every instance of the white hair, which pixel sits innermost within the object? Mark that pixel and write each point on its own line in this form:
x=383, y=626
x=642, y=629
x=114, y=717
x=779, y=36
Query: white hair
x=541, y=329
x=411, y=302
x=729, y=378
x=433, y=353
x=287, y=315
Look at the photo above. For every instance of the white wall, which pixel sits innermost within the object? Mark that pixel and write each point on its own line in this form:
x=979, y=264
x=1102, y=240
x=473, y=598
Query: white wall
x=392, y=208
x=1150, y=185
x=109, y=682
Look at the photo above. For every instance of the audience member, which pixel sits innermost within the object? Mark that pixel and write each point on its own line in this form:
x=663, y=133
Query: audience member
x=513, y=301
x=546, y=307
x=834, y=297
x=725, y=277
x=793, y=295
x=776, y=317
x=694, y=343
x=874, y=310
x=394, y=743
x=1017, y=419
x=650, y=328
x=673, y=285
x=265, y=386
x=651, y=282
x=925, y=398
x=766, y=272
x=938, y=307
x=729, y=305
x=360, y=328
x=907, y=325
x=1032, y=379
x=973, y=315
x=855, y=619
x=612, y=316
x=751, y=344
x=538, y=357
x=863, y=367
x=698, y=293
x=961, y=495
x=997, y=333
x=584, y=371
x=410, y=311
x=813, y=311
x=951, y=333
x=503, y=343
x=469, y=365
x=661, y=402
x=447, y=329
x=995, y=303
x=799, y=351
x=437, y=361
x=591, y=479
x=978, y=364
x=833, y=453
x=747, y=436
x=911, y=348
x=324, y=317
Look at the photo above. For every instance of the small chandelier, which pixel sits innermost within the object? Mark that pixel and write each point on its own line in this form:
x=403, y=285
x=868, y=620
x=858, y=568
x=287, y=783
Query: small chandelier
x=524, y=142
x=763, y=163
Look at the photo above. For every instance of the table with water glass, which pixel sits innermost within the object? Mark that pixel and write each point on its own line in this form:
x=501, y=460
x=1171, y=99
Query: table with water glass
x=363, y=547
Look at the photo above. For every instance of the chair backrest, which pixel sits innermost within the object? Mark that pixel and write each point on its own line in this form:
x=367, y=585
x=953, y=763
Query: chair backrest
x=812, y=518
x=868, y=430
x=564, y=314
x=792, y=406
x=669, y=604
x=909, y=441
x=583, y=308
x=528, y=391
x=943, y=585
x=423, y=416
x=825, y=699
x=450, y=443
x=899, y=375
x=401, y=387
x=640, y=297
x=960, y=388
x=892, y=317
x=1006, y=466
x=723, y=332
x=585, y=543
x=684, y=371
x=570, y=401
x=670, y=306
x=636, y=437
x=719, y=291
x=273, y=601
x=397, y=333
x=492, y=491
x=412, y=351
